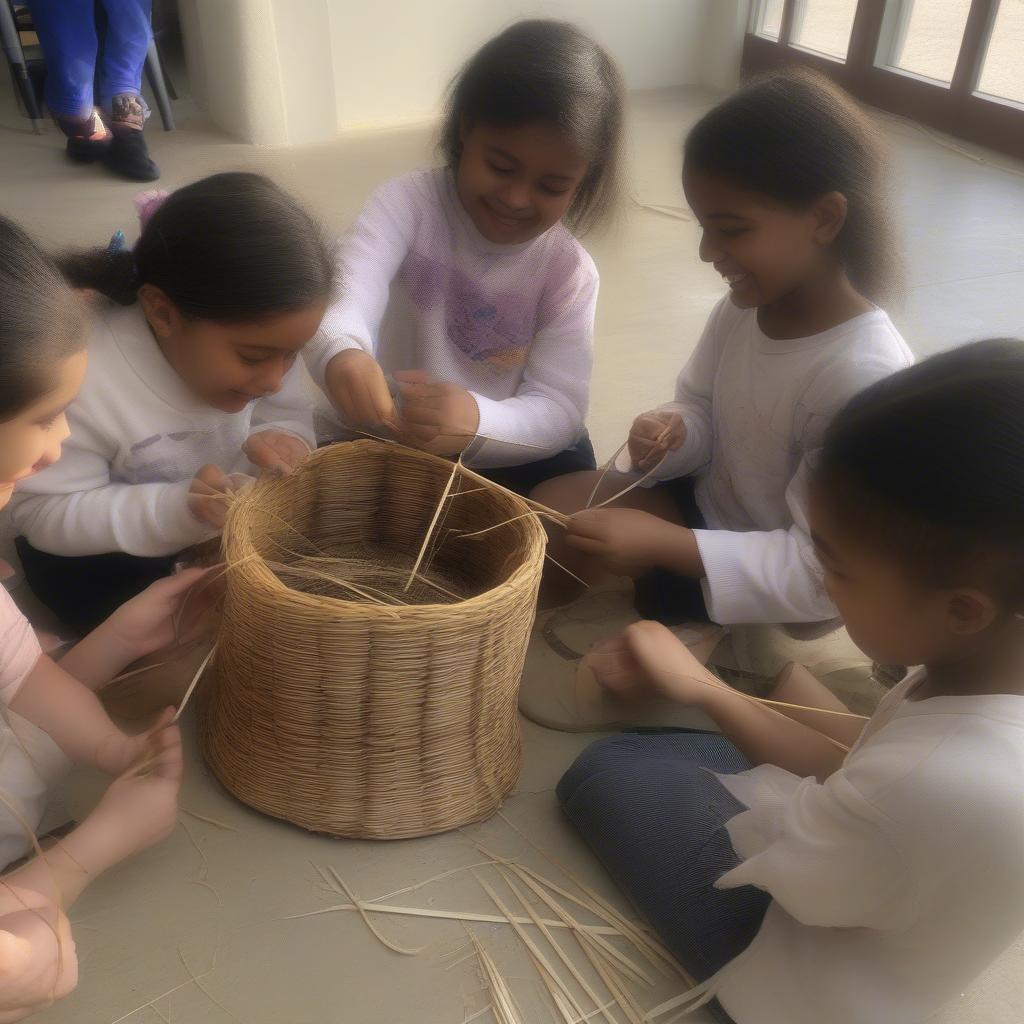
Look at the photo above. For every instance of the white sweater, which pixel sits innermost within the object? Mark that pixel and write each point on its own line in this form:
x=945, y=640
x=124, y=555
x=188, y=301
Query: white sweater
x=755, y=410
x=138, y=437
x=512, y=324
x=896, y=882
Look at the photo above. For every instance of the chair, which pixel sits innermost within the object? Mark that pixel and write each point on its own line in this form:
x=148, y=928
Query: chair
x=15, y=19
x=10, y=38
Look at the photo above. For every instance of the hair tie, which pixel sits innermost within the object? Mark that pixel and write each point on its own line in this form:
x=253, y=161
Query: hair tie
x=118, y=243
x=147, y=203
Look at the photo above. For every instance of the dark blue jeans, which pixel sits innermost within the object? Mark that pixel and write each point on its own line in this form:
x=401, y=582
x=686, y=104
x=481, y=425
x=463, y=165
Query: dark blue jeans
x=70, y=41
x=655, y=817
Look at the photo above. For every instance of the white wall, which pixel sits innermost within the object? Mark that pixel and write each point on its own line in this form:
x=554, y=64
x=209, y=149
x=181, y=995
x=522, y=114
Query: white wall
x=393, y=60
x=291, y=71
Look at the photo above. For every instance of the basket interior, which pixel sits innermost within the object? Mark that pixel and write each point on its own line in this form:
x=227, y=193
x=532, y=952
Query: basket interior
x=350, y=524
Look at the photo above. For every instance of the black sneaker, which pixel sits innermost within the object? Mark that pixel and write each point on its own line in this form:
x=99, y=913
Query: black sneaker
x=88, y=138
x=128, y=156
x=87, y=151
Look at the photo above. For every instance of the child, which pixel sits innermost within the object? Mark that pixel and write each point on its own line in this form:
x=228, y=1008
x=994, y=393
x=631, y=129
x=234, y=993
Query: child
x=190, y=382
x=42, y=332
x=786, y=180
x=489, y=298
x=875, y=886
x=38, y=962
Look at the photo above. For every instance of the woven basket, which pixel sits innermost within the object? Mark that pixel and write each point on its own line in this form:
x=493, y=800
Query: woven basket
x=374, y=720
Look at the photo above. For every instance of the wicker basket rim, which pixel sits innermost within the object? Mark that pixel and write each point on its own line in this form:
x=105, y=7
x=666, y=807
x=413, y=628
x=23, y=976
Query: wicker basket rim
x=529, y=528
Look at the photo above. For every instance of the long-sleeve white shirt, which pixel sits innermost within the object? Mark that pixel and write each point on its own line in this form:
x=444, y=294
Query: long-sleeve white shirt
x=422, y=289
x=756, y=410
x=138, y=437
x=894, y=883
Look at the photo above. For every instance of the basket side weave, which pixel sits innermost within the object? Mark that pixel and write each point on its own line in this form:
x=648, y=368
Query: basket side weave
x=367, y=720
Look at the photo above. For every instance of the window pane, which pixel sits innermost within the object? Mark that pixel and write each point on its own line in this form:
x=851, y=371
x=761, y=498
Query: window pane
x=924, y=36
x=1002, y=73
x=768, y=18
x=824, y=26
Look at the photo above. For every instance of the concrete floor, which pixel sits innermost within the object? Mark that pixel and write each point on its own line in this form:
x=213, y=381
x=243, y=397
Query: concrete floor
x=214, y=901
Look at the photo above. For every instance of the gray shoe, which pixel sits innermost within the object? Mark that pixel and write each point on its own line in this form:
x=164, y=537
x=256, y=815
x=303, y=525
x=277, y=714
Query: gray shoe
x=559, y=692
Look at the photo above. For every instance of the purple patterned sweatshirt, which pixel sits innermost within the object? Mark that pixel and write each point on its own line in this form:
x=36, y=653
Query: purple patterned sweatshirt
x=422, y=289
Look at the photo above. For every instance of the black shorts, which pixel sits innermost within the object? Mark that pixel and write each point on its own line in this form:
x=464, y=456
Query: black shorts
x=523, y=479
x=664, y=596
x=84, y=590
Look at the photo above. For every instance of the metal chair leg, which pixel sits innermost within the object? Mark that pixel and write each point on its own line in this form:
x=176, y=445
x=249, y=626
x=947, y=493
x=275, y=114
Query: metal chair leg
x=155, y=77
x=11, y=41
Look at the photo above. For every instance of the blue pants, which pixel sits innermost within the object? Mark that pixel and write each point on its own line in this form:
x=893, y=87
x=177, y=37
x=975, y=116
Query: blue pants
x=656, y=819
x=67, y=32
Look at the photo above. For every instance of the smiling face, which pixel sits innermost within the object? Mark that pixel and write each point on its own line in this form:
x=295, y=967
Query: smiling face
x=31, y=440
x=764, y=249
x=517, y=181
x=229, y=365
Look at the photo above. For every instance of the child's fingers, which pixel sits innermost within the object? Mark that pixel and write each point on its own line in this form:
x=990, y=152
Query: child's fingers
x=291, y=450
x=15, y=953
x=424, y=412
x=163, y=720
x=170, y=760
x=355, y=403
x=617, y=673
x=382, y=402
x=421, y=397
x=590, y=545
x=212, y=476
x=652, y=458
x=184, y=579
x=264, y=452
x=590, y=522
x=641, y=445
x=163, y=750
x=413, y=377
x=373, y=399
x=647, y=427
x=209, y=508
x=276, y=466
x=654, y=646
x=423, y=434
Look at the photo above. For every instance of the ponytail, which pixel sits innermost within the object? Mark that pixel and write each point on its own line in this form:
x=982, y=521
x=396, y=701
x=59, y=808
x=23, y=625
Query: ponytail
x=230, y=248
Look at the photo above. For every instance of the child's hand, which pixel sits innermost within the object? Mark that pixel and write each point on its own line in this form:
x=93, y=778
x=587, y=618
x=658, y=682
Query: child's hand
x=649, y=660
x=208, y=497
x=118, y=752
x=436, y=416
x=146, y=622
x=652, y=436
x=37, y=966
x=140, y=808
x=627, y=541
x=359, y=389
x=275, y=452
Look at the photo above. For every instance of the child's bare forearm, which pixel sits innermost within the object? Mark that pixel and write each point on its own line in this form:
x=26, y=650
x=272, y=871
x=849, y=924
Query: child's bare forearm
x=681, y=554
x=65, y=870
x=68, y=712
x=764, y=736
x=98, y=658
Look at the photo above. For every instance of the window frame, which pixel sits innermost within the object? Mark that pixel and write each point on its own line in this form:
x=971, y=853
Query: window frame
x=956, y=108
